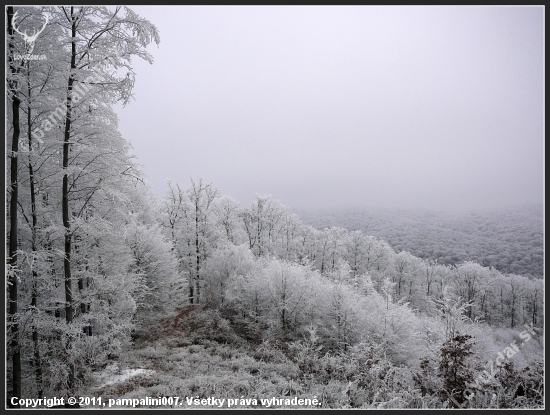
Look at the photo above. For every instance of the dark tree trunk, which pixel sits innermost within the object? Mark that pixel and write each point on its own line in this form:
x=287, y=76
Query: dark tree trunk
x=198, y=263
x=534, y=315
x=13, y=85
x=513, y=312
x=37, y=363
x=197, y=252
x=69, y=310
x=399, y=287
x=191, y=277
x=82, y=285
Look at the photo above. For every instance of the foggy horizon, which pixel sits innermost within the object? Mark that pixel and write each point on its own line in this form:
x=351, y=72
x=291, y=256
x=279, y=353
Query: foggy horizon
x=333, y=107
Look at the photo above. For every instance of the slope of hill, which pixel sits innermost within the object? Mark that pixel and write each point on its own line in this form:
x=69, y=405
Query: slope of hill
x=511, y=240
x=199, y=359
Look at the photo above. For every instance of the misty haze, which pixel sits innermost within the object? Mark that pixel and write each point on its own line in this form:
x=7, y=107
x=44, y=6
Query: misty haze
x=275, y=207
x=426, y=107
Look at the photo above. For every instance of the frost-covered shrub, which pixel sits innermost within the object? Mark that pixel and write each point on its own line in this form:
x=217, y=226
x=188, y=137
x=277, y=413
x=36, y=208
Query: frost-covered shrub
x=225, y=262
x=195, y=324
x=269, y=353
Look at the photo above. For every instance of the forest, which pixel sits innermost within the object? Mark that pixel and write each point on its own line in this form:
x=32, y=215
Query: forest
x=121, y=297
x=508, y=239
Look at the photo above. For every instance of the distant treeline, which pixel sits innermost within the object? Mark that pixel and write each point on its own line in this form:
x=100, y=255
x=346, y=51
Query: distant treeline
x=510, y=240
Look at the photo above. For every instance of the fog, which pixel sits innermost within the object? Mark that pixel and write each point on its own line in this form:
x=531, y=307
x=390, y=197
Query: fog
x=341, y=106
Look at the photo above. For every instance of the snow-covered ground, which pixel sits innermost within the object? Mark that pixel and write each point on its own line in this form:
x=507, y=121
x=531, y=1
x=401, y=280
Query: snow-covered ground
x=113, y=374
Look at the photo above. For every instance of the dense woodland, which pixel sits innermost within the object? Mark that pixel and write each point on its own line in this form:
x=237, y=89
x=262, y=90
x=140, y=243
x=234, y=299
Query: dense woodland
x=508, y=239
x=208, y=297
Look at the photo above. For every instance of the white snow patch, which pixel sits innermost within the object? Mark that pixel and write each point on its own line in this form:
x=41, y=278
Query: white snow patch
x=111, y=374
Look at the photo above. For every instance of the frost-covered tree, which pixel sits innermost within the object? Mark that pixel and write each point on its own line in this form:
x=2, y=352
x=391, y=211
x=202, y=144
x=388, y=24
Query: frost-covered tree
x=156, y=265
x=355, y=249
x=14, y=86
x=78, y=170
x=202, y=196
x=335, y=248
x=99, y=43
x=405, y=269
x=452, y=312
x=225, y=262
x=469, y=281
x=190, y=219
x=263, y=222
x=227, y=210
x=343, y=316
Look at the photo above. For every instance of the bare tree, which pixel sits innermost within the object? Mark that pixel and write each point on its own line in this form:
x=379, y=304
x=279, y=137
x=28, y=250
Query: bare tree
x=93, y=30
x=227, y=210
x=202, y=197
x=13, y=85
x=263, y=222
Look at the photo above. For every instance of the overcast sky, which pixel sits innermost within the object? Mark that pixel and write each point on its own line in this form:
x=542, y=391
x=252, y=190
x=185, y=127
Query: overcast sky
x=341, y=106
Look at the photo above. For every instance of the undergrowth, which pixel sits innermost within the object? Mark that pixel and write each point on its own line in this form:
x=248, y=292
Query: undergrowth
x=198, y=352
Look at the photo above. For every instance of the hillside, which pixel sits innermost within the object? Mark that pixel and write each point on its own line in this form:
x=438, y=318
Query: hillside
x=511, y=240
x=203, y=359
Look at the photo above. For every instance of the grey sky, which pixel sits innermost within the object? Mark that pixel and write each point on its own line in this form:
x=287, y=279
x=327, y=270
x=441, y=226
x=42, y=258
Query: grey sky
x=433, y=107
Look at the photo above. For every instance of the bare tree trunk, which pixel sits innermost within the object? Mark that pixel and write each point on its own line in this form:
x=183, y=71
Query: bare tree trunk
x=50, y=260
x=501, y=305
x=84, y=305
x=534, y=315
x=197, y=251
x=513, y=311
x=34, y=300
x=69, y=310
x=13, y=85
x=399, y=286
x=191, y=278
